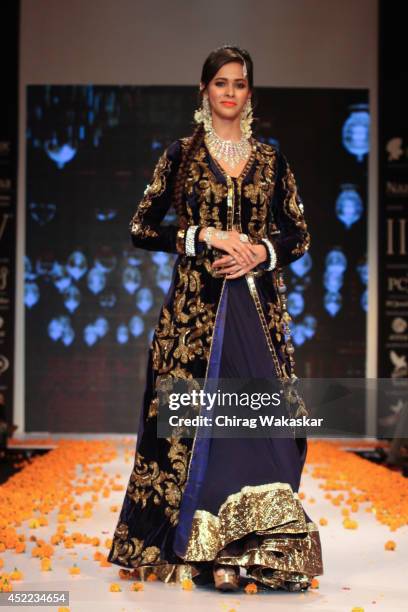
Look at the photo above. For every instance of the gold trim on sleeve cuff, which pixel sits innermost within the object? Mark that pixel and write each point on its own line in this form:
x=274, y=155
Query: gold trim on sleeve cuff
x=180, y=241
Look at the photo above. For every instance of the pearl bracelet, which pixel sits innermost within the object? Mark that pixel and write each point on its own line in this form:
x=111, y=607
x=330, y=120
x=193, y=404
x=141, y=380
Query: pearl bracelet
x=271, y=259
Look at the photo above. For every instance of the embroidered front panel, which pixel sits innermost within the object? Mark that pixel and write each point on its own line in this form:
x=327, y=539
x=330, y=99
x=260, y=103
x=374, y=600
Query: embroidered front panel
x=184, y=331
x=207, y=193
x=259, y=192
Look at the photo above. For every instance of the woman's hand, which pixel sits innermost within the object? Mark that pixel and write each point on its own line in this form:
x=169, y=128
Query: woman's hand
x=242, y=252
x=228, y=265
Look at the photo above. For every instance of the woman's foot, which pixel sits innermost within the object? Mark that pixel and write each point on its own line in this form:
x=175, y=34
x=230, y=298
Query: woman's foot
x=226, y=577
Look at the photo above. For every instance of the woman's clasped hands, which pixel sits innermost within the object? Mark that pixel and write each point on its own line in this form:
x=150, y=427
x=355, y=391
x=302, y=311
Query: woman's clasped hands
x=240, y=255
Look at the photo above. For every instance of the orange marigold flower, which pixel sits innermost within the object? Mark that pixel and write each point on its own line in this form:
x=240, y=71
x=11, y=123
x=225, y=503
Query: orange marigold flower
x=6, y=587
x=16, y=574
x=350, y=524
x=137, y=586
x=390, y=545
x=98, y=556
x=45, y=564
x=115, y=587
x=314, y=584
x=187, y=584
x=152, y=577
x=251, y=588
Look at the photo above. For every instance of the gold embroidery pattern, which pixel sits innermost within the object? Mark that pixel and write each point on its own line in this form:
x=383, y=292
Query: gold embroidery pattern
x=260, y=190
x=129, y=551
x=155, y=189
x=180, y=241
x=208, y=192
x=148, y=481
x=184, y=330
x=153, y=408
x=292, y=210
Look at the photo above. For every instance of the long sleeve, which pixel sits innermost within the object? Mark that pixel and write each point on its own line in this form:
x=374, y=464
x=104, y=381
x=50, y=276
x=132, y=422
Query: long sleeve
x=146, y=229
x=291, y=238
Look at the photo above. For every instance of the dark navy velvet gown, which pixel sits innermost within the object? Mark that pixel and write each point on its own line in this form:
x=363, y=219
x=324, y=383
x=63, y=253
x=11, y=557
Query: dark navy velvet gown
x=190, y=503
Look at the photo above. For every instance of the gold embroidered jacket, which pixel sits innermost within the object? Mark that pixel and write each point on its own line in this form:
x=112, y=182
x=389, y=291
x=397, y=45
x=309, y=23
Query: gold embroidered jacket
x=264, y=204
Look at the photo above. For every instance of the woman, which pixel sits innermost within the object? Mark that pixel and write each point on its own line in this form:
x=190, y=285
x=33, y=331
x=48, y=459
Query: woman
x=198, y=506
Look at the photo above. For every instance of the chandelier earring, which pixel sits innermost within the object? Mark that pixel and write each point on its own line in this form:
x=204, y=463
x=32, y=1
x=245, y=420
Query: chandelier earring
x=246, y=119
x=203, y=115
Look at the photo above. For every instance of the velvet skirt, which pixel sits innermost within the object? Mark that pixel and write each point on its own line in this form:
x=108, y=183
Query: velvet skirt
x=246, y=510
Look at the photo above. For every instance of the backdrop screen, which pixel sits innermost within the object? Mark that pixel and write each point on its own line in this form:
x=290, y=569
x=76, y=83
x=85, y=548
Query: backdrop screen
x=92, y=300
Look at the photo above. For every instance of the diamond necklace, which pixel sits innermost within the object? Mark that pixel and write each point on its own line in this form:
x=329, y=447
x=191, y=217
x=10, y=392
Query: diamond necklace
x=231, y=152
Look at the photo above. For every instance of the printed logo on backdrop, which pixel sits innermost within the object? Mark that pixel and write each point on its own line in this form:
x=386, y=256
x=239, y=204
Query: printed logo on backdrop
x=398, y=284
x=399, y=363
x=396, y=236
x=393, y=263
x=399, y=325
x=396, y=150
x=396, y=189
x=392, y=356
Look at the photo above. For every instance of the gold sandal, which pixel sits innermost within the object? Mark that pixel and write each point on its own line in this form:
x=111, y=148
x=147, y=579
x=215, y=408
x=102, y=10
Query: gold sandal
x=226, y=577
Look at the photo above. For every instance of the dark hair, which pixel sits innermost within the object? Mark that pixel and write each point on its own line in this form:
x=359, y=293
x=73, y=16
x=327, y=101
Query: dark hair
x=216, y=59
x=223, y=55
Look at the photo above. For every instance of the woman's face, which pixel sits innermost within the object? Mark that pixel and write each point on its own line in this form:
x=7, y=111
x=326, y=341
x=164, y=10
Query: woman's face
x=228, y=91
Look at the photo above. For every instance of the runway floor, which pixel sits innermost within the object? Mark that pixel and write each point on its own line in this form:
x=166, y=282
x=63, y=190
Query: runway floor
x=79, y=487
